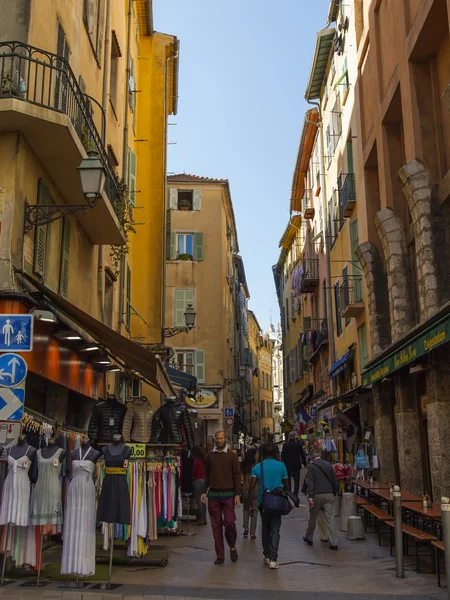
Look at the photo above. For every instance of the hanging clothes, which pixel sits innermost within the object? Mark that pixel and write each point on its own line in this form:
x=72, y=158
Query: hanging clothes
x=15, y=506
x=78, y=554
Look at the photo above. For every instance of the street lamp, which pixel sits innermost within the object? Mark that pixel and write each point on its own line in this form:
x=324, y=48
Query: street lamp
x=92, y=175
x=189, y=317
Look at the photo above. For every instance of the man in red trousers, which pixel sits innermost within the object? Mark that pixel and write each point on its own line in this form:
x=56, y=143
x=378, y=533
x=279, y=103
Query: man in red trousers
x=223, y=485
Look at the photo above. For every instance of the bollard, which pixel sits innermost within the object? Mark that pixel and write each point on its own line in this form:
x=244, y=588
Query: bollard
x=398, y=533
x=348, y=509
x=445, y=507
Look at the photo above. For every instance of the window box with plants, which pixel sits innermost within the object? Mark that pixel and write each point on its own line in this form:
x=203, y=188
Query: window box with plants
x=185, y=257
x=184, y=204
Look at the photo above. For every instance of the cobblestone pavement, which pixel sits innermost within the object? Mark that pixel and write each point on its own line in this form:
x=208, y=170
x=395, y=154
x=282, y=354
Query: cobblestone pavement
x=358, y=571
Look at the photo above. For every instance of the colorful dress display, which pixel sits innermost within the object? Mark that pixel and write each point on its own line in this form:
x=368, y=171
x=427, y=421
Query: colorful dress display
x=78, y=554
x=16, y=492
x=47, y=503
x=114, y=501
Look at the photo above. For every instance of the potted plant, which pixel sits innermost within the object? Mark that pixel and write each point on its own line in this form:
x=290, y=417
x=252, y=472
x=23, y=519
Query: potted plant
x=184, y=204
x=185, y=257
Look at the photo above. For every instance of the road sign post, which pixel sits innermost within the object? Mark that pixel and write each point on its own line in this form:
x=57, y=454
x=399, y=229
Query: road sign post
x=16, y=333
x=13, y=370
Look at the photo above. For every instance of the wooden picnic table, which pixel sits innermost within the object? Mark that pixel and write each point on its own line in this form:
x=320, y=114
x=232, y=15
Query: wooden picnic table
x=433, y=512
x=406, y=496
x=376, y=485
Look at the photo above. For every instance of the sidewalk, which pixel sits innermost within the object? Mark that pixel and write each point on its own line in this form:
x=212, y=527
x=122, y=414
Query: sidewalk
x=358, y=571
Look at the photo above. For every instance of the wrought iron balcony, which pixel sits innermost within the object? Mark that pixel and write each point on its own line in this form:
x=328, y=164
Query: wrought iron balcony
x=43, y=79
x=310, y=278
x=347, y=195
x=351, y=296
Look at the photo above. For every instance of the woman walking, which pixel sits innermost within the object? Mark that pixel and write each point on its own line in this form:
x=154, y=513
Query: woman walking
x=250, y=504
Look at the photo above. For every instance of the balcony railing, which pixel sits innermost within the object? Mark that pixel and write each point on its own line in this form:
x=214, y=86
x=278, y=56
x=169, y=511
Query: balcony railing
x=310, y=277
x=45, y=79
x=347, y=195
x=351, y=296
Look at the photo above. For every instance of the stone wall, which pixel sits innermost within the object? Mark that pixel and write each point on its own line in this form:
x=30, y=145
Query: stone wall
x=385, y=441
x=378, y=301
x=392, y=235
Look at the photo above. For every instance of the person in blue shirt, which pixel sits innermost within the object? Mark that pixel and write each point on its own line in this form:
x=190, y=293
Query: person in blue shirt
x=275, y=476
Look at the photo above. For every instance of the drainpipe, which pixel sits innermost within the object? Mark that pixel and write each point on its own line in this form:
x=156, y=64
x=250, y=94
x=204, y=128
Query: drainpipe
x=106, y=64
x=125, y=159
x=326, y=238
x=164, y=220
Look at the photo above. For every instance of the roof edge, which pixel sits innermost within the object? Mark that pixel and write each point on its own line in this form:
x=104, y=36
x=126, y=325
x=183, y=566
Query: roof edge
x=326, y=31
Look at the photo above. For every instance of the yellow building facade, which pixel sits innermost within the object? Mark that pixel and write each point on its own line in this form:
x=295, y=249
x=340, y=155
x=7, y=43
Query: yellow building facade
x=265, y=379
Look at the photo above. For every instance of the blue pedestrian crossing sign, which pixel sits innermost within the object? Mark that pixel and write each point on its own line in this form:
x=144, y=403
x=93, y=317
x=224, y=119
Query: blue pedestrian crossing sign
x=11, y=404
x=13, y=370
x=228, y=412
x=16, y=333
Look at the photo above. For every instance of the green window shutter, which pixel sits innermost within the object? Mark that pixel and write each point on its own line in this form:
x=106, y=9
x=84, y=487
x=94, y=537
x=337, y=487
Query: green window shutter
x=40, y=236
x=173, y=198
x=179, y=308
x=128, y=301
x=173, y=246
x=132, y=177
x=362, y=343
x=200, y=365
x=65, y=259
x=354, y=242
x=199, y=251
x=197, y=200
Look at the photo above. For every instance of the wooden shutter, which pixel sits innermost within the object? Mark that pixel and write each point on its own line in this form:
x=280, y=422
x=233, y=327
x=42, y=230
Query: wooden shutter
x=179, y=308
x=65, y=259
x=363, y=348
x=101, y=28
x=173, y=198
x=197, y=200
x=287, y=313
x=40, y=236
x=132, y=177
x=337, y=301
x=296, y=366
x=128, y=301
x=292, y=365
x=354, y=242
x=199, y=252
x=173, y=246
x=86, y=13
x=200, y=365
x=63, y=50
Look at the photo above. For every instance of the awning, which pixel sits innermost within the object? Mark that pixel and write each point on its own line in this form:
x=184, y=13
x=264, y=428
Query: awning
x=320, y=61
x=149, y=367
x=419, y=345
x=305, y=395
x=181, y=379
x=340, y=364
x=346, y=397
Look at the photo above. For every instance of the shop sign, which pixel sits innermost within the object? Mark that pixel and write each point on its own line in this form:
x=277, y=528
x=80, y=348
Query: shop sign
x=13, y=370
x=428, y=341
x=138, y=450
x=11, y=403
x=203, y=398
x=16, y=333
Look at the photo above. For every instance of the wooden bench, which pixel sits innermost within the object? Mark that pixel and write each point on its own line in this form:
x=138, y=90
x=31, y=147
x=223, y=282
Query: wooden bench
x=380, y=516
x=360, y=502
x=421, y=538
x=438, y=547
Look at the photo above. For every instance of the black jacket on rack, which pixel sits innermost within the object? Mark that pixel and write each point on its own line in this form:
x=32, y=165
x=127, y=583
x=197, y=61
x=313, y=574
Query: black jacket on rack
x=168, y=421
x=106, y=421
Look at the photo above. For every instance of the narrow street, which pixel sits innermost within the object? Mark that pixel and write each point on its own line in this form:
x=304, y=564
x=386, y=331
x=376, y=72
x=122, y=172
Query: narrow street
x=358, y=571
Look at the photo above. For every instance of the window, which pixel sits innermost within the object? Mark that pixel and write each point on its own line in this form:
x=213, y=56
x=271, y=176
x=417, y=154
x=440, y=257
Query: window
x=132, y=167
x=345, y=292
x=337, y=302
x=114, y=73
x=94, y=21
x=136, y=386
x=183, y=298
x=185, y=199
x=187, y=245
x=324, y=300
x=362, y=344
x=191, y=362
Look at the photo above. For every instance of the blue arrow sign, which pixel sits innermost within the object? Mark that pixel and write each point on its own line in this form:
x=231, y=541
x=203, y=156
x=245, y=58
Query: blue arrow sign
x=13, y=370
x=16, y=333
x=11, y=404
x=228, y=412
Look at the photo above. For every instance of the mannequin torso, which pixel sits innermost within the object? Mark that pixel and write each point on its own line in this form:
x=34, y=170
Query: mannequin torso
x=51, y=449
x=86, y=452
x=117, y=448
x=22, y=448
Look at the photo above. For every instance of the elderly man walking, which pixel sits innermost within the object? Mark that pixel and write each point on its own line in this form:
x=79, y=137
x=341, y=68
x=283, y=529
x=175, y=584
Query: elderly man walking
x=322, y=490
x=223, y=485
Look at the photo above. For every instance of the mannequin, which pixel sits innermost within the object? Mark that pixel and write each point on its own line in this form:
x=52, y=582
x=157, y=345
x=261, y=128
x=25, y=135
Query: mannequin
x=78, y=554
x=87, y=451
x=114, y=501
x=198, y=429
x=168, y=421
x=16, y=489
x=137, y=423
x=106, y=420
x=47, y=503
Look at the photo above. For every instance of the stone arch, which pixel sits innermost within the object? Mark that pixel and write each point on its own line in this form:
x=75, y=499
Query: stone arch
x=393, y=240
x=418, y=188
x=378, y=302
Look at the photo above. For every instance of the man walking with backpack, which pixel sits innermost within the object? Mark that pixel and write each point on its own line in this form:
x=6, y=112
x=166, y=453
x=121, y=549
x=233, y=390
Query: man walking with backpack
x=322, y=489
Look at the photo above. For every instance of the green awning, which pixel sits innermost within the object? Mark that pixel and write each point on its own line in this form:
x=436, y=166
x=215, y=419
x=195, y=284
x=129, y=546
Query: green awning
x=418, y=346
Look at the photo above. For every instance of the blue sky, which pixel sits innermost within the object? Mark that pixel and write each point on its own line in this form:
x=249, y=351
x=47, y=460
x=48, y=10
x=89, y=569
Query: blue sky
x=244, y=66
